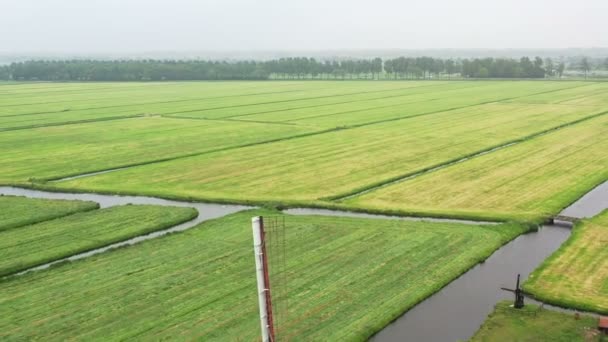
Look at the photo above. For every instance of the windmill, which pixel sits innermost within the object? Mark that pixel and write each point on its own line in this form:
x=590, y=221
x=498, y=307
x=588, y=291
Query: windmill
x=519, y=294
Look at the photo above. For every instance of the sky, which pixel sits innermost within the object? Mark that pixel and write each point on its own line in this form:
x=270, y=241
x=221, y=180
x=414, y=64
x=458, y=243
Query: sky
x=92, y=26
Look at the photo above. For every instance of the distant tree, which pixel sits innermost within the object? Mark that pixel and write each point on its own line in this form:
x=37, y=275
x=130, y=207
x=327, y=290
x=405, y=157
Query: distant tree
x=560, y=69
x=549, y=67
x=376, y=66
x=483, y=72
x=450, y=67
x=606, y=63
x=539, y=71
x=388, y=67
x=585, y=66
x=4, y=73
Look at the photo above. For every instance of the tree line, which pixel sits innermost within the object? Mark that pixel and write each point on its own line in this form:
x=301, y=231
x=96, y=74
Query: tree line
x=284, y=68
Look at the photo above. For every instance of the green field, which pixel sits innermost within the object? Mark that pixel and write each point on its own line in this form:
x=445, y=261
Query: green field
x=577, y=274
x=534, y=179
x=200, y=284
x=533, y=324
x=439, y=122
x=492, y=150
x=43, y=242
x=20, y=211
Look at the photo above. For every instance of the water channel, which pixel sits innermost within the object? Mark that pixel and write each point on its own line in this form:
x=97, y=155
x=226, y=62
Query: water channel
x=454, y=313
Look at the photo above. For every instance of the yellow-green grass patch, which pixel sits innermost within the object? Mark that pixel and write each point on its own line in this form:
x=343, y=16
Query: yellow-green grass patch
x=532, y=180
x=52, y=152
x=576, y=275
x=329, y=164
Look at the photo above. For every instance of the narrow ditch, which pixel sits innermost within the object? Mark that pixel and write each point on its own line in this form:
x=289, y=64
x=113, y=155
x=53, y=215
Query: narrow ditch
x=463, y=305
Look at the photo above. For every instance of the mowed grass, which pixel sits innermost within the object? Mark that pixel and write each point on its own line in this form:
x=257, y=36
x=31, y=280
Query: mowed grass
x=534, y=324
x=345, y=102
x=533, y=180
x=346, y=279
x=52, y=152
x=289, y=142
x=18, y=211
x=577, y=274
x=116, y=100
x=333, y=163
x=43, y=242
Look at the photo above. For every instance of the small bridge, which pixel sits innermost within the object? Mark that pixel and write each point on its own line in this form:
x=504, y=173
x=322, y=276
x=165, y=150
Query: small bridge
x=563, y=218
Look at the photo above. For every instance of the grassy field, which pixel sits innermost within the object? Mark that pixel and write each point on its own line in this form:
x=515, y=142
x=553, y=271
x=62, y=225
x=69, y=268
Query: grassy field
x=534, y=179
x=36, y=244
x=20, y=211
x=315, y=167
x=200, y=284
x=577, y=274
x=75, y=149
x=233, y=116
x=497, y=150
x=301, y=142
x=531, y=324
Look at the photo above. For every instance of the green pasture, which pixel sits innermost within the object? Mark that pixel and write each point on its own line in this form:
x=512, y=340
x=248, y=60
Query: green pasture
x=51, y=152
x=346, y=279
x=493, y=150
x=20, y=211
x=310, y=143
x=43, y=242
x=577, y=274
x=336, y=163
x=536, y=324
x=532, y=180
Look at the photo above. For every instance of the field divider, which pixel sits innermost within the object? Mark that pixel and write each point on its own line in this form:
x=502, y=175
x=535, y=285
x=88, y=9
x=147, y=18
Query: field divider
x=188, y=155
x=230, y=120
x=293, y=100
x=219, y=97
x=134, y=104
x=304, y=135
x=65, y=123
x=410, y=175
x=459, y=107
x=344, y=102
x=156, y=102
x=244, y=105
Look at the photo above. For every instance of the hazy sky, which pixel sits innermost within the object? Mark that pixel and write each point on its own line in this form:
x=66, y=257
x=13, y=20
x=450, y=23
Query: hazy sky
x=197, y=25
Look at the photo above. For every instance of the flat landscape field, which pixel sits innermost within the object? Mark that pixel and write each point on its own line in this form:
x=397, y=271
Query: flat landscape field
x=370, y=146
x=536, y=178
x=536, y=324
x=509, y=151
x=348, y=278
x=577, y=274
x=32, y=245
x=18, y=211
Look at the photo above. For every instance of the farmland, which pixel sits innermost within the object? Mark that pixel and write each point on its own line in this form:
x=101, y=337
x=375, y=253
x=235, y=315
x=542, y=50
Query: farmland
x=560, y=167
x=43, y=242
x=577, y=274
x=395, y=264
x=517, y=151
x=534, y=324
x=356, y=143
x=20, y=211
